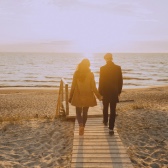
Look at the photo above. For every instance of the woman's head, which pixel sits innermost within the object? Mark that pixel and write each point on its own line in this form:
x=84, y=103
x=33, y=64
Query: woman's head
x=83, y=68
x=84, y=65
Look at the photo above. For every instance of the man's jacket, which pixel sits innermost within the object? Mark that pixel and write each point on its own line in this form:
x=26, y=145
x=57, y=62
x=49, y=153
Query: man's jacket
x=110, y=81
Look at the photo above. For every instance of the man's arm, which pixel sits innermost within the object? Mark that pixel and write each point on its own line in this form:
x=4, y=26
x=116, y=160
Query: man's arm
x=120, y=82
x=100, y=82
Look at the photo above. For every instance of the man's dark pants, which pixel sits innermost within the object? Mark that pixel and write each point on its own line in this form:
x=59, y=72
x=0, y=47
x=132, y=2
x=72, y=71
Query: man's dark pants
x=106, y=103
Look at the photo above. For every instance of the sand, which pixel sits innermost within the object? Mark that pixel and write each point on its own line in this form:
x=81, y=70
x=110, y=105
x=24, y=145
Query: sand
x=30, y=136
x=143, y=126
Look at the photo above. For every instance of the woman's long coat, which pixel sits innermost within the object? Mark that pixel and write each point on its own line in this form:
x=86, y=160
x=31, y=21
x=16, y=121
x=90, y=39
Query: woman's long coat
x=83, y=93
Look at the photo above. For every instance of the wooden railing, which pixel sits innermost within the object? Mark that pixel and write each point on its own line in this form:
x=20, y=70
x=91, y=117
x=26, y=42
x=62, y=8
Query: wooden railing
x=62, y=107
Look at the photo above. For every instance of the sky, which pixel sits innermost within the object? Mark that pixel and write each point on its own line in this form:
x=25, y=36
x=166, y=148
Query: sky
x=84, y=25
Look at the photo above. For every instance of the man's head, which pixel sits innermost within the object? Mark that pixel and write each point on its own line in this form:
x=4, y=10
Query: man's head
x=108, y=57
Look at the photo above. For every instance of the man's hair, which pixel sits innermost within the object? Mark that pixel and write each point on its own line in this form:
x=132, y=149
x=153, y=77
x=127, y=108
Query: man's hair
x=108, y=57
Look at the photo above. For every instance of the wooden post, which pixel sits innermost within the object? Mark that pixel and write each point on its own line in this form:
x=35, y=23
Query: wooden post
x=61, y=97
x=62, y=90
x=66, y=94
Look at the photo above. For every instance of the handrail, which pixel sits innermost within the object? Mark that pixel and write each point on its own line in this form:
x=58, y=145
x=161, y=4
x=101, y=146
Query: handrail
x=63, y=91
x=63, y=97
x=64, y=81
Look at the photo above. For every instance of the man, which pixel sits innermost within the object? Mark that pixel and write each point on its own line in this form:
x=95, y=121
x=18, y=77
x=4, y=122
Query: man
x=110, y=87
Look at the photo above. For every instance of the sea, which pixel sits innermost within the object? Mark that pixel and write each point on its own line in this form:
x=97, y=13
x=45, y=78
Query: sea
x=139, y=70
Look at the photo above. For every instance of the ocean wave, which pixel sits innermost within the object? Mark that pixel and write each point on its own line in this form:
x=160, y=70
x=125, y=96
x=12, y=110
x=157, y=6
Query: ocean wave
x=9, y=80
x=127, y=70
x=68, y=79
x=41, y=81
x=134, y=73
x=4, y=86
x=46, y=86
x=32, y=74
x=132, y=84
x=10, y=73
x=52, y=77
x=165, y=80
x=133, y=78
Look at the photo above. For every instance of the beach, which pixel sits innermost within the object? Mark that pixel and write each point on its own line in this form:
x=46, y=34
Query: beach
x=143, y=126
x=31, y=136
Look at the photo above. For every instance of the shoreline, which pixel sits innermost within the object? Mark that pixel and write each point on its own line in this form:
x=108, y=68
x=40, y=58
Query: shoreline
x=56, y=88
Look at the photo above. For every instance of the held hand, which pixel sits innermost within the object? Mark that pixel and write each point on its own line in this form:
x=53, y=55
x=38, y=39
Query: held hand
x=100, y=98
x=70, y=99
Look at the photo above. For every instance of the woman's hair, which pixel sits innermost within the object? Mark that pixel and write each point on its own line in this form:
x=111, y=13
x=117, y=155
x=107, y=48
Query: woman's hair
x=82, y=69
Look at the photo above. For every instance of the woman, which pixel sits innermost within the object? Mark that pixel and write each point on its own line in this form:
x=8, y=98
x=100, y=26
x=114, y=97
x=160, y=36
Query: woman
x=83, y=91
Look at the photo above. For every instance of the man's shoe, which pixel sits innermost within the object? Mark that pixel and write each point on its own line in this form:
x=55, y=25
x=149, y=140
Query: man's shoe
x=111, y=132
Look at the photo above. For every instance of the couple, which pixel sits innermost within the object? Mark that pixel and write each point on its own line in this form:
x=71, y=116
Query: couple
x=83, y=91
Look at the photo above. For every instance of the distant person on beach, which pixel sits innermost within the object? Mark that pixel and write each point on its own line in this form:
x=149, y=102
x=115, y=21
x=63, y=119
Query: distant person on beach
x=110, y=87
x=83, y=91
